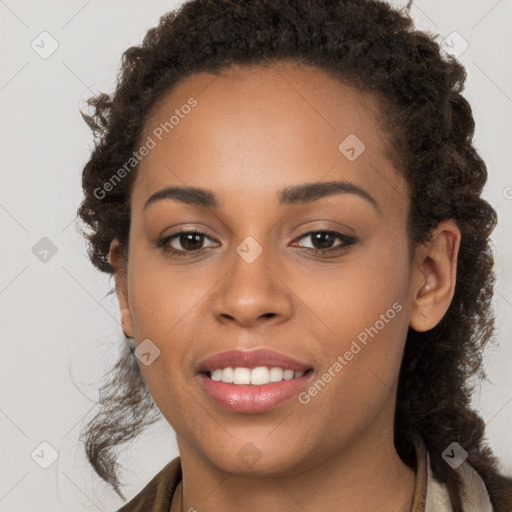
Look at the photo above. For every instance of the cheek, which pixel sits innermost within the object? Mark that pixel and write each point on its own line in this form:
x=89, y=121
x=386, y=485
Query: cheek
x=364, y=306
x=167, y=304
x=352, y=296
x=162, y=295
x=161, y=305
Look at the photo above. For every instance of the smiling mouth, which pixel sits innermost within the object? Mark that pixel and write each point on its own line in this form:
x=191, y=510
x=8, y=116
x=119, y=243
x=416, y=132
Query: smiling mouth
x=254, y=390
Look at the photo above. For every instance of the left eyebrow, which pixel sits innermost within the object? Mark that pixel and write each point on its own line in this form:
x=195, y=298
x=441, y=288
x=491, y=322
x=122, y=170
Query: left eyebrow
x=304, y=193
x=309, y=192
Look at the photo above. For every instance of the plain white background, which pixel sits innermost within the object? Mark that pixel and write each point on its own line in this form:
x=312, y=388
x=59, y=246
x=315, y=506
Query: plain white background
x=55, y=317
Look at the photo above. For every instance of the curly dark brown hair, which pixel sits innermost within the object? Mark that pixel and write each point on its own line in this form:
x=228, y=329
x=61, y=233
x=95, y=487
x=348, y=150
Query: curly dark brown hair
x=373, y=47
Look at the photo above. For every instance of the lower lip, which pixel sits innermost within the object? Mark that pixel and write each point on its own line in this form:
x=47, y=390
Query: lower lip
x=252, y=398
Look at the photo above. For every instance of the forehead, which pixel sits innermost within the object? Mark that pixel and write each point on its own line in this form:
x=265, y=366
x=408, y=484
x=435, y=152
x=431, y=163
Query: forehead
x=253, y=129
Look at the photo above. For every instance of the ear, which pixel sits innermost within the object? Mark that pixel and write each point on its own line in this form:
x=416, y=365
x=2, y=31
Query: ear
x=120, y=272
x=433, y=276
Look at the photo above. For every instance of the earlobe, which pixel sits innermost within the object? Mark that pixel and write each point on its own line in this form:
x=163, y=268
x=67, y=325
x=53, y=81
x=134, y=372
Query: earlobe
x=121, y=287
x=435, y=271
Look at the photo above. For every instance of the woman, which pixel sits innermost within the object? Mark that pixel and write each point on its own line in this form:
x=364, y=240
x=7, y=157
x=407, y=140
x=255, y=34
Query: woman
x=289, y=199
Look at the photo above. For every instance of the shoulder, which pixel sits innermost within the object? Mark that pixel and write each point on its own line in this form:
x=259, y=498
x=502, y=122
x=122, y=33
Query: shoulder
x=157, y=495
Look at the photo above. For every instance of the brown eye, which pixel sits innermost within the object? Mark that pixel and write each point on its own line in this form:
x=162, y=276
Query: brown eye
x=184, y=242
x=322, y=241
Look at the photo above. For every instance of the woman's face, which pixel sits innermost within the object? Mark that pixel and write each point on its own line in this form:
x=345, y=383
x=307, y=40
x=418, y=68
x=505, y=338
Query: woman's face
x=249, y=137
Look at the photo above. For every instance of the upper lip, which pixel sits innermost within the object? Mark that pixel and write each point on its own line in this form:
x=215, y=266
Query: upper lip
x=251, y=359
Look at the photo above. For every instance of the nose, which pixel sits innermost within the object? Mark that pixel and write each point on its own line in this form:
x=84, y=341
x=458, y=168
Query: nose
x=253, y=293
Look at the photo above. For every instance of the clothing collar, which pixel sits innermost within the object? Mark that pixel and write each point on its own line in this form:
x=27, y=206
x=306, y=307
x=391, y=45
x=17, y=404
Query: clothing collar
x=431, y=495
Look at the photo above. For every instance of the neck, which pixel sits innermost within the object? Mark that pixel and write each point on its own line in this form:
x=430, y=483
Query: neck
x=366, y=475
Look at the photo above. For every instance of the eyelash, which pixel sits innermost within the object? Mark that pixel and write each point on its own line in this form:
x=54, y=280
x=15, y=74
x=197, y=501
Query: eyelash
x=347, y=241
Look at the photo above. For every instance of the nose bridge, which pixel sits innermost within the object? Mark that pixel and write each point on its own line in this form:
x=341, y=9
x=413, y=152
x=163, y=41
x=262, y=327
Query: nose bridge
x=252, y=288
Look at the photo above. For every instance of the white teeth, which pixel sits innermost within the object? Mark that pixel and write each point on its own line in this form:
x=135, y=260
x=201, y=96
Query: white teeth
x=276, y=374
x=257, y=376
x=242, y=376
x=288, y=374
x=227, y=375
